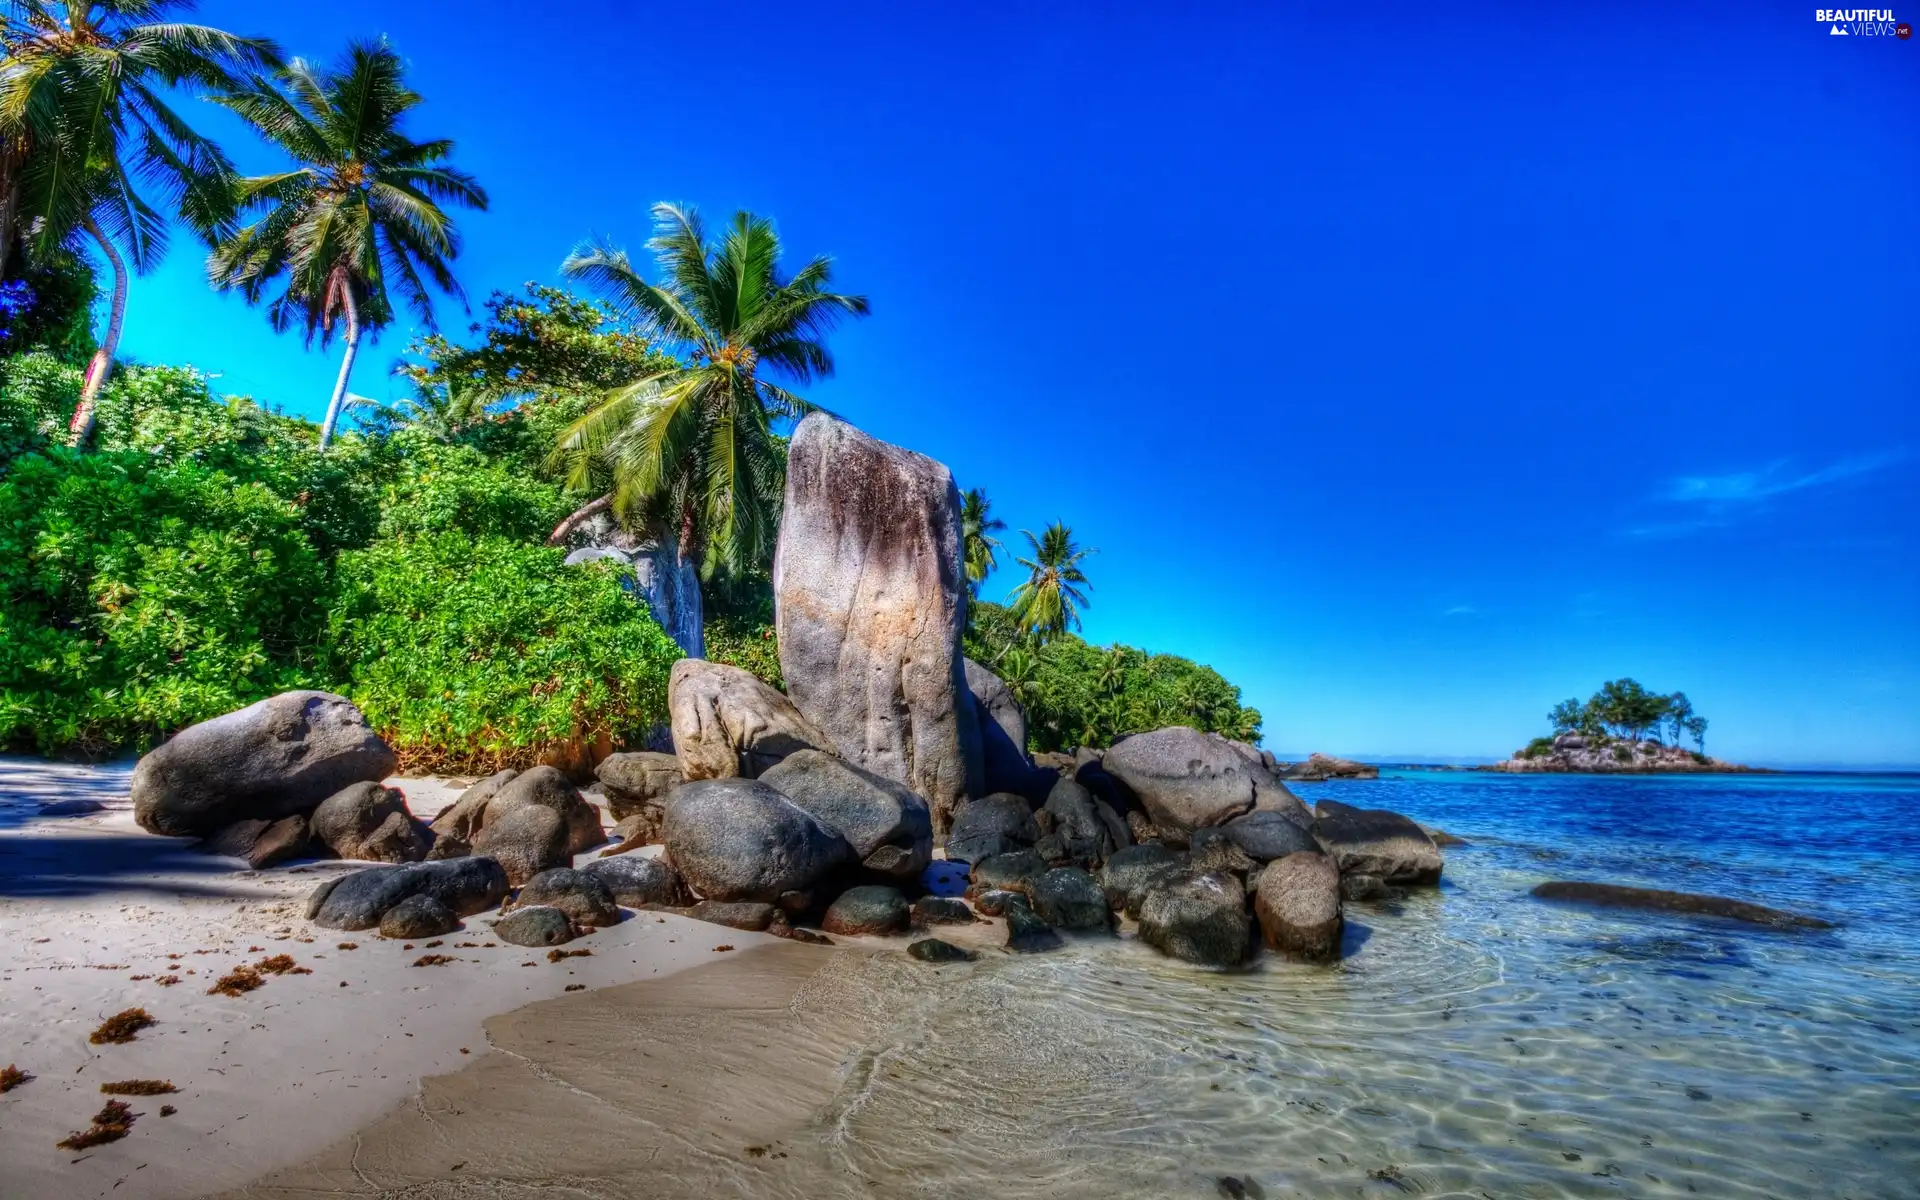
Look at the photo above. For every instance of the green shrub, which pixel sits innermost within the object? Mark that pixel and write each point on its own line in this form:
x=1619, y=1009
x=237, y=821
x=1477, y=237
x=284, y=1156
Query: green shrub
x=37, y=396
x=749, y=645
x=474, y=654
x=1539, y=747
x=454, y=488
x=138, y=596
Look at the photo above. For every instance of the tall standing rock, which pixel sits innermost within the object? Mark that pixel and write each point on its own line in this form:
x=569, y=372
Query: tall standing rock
x=870, y=602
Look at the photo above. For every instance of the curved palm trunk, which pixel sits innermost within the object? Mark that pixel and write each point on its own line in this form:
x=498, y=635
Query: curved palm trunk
x=346, y=370
x=564, y=529
x=81, y=428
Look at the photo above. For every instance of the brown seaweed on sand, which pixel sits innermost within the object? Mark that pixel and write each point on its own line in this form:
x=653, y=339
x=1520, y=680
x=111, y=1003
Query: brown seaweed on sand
x=432, y=960
x=121, y=1027
x=237, y=982
x=554, y=956
x=110, y=1124
x=12, y=1077
x=139, y=1087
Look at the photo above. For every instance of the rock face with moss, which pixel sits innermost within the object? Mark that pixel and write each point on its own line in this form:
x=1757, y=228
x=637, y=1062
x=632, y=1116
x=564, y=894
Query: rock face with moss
x=870, y=602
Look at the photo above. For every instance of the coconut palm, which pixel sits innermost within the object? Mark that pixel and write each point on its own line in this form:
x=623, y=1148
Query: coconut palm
x=1114, y=667
x=358, y=220
x=977, y=527
x=91, y=150
x=1049, y=602
x=692, y=452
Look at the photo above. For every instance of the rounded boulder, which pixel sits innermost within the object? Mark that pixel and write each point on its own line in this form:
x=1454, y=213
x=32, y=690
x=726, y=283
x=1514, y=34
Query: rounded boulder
x=739, y=839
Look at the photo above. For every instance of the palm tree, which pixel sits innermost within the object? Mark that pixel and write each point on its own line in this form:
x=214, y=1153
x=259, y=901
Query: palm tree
x=1112, y=677
x=359, y=218
x=441, y=408
x=692, y=452
x=977, y=527
x=1049, y=602
x=85, y=126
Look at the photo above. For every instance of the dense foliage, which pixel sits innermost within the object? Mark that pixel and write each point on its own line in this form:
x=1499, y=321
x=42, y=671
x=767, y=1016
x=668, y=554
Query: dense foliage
x=471, y=653
x=1625, y=709
x=1078, y=694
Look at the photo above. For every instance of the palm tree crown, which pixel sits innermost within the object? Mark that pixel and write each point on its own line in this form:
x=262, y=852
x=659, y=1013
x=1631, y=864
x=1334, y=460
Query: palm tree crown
x=977, y=527
x=1050, y=600
x=359, y=220
x=89, y=147
x=692, y=452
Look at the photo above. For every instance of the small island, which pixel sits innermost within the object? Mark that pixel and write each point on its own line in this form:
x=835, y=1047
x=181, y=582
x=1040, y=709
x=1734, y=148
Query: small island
x=1617, y=731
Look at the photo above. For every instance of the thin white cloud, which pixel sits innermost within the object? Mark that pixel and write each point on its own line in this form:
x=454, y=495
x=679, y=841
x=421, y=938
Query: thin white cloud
x=1716, y=501
x=1461, y=610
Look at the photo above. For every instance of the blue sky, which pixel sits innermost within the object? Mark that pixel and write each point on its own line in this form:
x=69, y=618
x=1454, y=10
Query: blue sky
x=1416, y=369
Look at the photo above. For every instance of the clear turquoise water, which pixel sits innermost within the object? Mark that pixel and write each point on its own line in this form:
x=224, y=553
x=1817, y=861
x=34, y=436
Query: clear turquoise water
x=1474, y=1042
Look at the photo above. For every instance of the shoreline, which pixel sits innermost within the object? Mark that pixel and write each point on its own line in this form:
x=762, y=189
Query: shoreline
x=98, y=911
x=701, y=1083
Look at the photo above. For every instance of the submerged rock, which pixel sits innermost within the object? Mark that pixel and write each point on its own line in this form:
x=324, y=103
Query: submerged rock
x=934, y=950
x=870, y=598
x=1298, y=906
x=1374, y=841
x=281, y=756
x=1197, y=918
x=1611, y=895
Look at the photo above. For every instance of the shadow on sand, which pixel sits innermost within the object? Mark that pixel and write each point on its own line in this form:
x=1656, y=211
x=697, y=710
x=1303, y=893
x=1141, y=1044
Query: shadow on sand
x=89, y=863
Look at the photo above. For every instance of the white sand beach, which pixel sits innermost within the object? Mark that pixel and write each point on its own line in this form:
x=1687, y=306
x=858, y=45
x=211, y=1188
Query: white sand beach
x=96, y=914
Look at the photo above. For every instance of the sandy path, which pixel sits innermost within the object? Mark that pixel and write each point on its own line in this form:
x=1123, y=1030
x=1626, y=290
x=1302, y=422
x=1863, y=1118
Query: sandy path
x=94, y=912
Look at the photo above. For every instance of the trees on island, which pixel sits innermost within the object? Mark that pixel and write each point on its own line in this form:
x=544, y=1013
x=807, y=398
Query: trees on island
x=1623, y=708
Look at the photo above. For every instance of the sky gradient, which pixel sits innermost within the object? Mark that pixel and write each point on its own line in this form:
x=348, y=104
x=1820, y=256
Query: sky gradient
x=1417, y=370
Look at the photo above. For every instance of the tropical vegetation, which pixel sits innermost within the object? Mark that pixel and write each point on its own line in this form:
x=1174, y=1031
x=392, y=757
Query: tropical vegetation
x=1623, y=709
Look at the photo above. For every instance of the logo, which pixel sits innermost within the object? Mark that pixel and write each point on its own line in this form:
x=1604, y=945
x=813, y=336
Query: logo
x=1862, y=22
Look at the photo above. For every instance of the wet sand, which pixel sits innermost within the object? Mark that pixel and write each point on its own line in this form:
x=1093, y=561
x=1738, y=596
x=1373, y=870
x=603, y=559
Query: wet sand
x=715, y=1081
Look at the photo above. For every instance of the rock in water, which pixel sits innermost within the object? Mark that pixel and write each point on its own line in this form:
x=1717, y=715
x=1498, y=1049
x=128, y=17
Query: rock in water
x=418, y=917
x=368, y=822
x=1003, y=732
x=1197, y=918
x=584, y=897
x=1185, y=779
x=870, y=601
x=1027, y=933
x=1298, y=905
x=1324, y=766
x=1130, y=872
x=638, y=780
x=739, y=839
x=1611, y=895
x=269, y=760
x=358, y=901
x=534, y=926
x=548, y=787
x=635, y=880
x=887, y=825
x=871, y=911
x=1067, y=898
x=726, y=722
x=992, y=825
x=934, y=950
x=1373, y=841
x=525, y=842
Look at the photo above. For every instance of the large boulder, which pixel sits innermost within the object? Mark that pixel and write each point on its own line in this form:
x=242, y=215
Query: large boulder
x=582, y=895
x=638, y=781
x=1197, y=918
x=1067, y=898
x=887, y=825
x=525, y=842
x=463, y=818
x=1374, y=841
x=1266, y=835
x=636, y=880
x=370, y=823
x=726, y=722
x=1298, y=905
x=535, y=925
x=281, y=756
x=998, y=824
x=1004, y=763
x=870, y=601
x=358, y=900
x=740, y=839
x=872, y=911
x=1185, y=779
x=1085, y=830
x=1129, y=874
x=548, y=787
x=418, y=917
x=1015, y=872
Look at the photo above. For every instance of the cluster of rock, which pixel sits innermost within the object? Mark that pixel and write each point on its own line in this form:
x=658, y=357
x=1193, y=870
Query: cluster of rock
x=820, y=807
x=1320, y=767
x=1194, y=837
x=1579, y=753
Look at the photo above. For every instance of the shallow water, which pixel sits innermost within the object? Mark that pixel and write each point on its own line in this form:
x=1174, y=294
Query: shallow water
x=1473, y=1042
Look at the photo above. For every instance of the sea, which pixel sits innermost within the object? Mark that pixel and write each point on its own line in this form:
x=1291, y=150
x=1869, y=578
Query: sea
x=1472, y=1042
